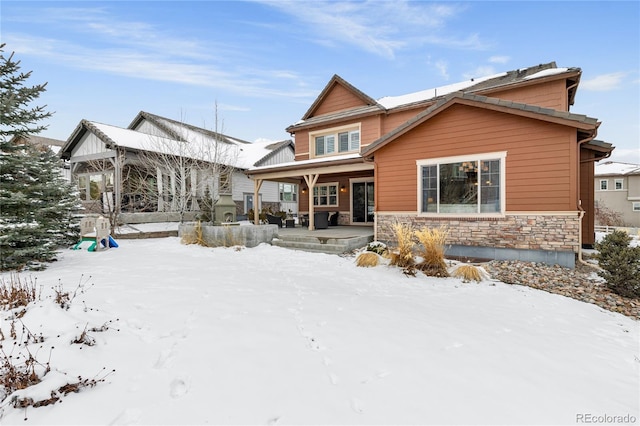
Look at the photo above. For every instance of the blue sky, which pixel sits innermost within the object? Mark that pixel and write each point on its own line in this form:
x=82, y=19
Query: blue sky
x=264, y=62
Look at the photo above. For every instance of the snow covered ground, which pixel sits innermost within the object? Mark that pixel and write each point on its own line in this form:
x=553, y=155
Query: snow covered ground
x=273, y=336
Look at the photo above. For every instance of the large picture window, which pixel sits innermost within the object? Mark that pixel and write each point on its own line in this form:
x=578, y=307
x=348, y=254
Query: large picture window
x=326, y=195
x=462, y=185
x=336, y=141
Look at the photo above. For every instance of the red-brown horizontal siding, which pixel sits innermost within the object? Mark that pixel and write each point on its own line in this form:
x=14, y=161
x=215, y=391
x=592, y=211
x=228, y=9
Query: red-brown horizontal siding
x=539, y=175
x=338, y=99
x=552, y=94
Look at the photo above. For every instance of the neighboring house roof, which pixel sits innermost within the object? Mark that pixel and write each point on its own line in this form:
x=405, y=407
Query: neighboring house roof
x=182, y=131
x=613, y=168
x=578, y=121
x=53, y=144
x=480, y=85
x=240, y=154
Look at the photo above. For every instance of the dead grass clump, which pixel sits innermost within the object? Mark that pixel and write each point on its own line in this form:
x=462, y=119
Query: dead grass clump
x=16, y=292
x=195, y=236
x=468, y=273
x=402, y=256
x=432, y=250
x=368, y=259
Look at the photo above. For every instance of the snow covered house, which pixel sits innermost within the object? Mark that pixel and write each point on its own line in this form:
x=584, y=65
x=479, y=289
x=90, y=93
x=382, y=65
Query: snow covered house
x=160, y=169
x=618, y=189
x=499, y=160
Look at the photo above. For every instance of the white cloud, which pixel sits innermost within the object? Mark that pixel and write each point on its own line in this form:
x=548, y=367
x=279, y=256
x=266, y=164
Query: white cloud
x=604, y=82
x=499, y=59
x=442, y=67
x=481, y=71
x=379, y=27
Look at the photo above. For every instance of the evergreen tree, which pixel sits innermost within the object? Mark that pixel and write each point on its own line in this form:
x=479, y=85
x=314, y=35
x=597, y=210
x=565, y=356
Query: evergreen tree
x=37, y=207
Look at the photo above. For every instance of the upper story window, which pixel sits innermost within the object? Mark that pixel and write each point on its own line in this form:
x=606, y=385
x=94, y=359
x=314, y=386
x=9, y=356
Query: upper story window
x=462, y=185
x=604, y=185
x=618, y=183
x=335, y=141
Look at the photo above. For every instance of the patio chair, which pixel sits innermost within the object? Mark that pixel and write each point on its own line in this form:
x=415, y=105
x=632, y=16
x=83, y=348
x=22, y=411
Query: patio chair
x=333, y=218
x=274, y=220
x=321, y=220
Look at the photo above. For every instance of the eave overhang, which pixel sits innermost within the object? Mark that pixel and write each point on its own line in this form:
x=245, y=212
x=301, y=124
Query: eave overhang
x=296, y=169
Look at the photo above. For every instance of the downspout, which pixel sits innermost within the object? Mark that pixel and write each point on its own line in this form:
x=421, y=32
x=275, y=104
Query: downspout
x=581, y=210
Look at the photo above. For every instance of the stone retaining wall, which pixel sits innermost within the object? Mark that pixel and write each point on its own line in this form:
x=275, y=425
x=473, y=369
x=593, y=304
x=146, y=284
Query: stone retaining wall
x=532, y=233
x=230, y=235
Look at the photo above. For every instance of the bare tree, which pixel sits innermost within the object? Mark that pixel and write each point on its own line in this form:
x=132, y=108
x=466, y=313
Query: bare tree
x=194, y=165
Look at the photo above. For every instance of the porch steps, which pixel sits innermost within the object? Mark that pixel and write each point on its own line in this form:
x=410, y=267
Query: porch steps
x=319, y=244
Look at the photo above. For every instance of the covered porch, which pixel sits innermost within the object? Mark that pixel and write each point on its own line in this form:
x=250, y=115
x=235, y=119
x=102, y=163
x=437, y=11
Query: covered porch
x=339, y=184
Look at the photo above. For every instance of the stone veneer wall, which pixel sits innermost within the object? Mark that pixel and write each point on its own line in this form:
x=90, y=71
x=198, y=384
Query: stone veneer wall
x=554, y=233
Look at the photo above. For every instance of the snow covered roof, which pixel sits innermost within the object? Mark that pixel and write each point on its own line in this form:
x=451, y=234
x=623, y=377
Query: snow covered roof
x=423, y=95
x=312, y=161
x=204, y=146
x=482, y=85
x=609, y=168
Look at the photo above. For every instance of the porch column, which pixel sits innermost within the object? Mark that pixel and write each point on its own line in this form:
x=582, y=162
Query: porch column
x=194, y=189
x=257, y=183
x=172, y=177
x=160, y=194
x=311, y=183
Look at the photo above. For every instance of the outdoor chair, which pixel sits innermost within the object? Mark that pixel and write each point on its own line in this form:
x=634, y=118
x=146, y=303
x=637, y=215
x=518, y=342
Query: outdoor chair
x=321, y=220
x=333, y=218
x=274, y=220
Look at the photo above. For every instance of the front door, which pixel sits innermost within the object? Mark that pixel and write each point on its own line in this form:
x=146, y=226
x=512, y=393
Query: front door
x=362, y=202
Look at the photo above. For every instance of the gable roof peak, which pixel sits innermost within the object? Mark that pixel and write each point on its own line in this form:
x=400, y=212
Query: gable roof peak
x=336, y=79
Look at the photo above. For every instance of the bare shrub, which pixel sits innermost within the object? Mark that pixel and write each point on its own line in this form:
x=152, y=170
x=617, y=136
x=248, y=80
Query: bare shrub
x=17, y=292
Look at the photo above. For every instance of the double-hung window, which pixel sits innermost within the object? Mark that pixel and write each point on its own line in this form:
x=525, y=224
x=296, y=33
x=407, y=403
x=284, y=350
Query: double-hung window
x=604, y=185
x=336, y=141
x=326, y=195
x=462, y=185
x=618, y=183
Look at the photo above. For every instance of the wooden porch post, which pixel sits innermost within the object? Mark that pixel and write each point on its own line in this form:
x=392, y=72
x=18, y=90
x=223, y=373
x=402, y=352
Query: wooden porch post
x=160, y=189
x=311, y=183
x=257, y=183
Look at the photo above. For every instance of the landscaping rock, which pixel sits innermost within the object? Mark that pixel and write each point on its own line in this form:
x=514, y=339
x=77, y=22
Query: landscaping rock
x=581, y=283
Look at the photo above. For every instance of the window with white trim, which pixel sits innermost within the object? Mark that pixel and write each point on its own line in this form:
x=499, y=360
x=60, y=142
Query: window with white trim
x=635, y=206
x=617, y=183
x=604, y=184
x=336, y=141
x=462, y=185
x=288, y=192
x=326, y=195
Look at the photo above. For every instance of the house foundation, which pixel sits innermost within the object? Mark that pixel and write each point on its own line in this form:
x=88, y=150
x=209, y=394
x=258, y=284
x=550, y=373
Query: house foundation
x=548, y=238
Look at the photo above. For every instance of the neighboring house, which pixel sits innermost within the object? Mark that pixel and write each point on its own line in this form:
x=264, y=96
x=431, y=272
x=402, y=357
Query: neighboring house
x=163, y=170
x=618, y=189
x=54, y=144
x=500, y=161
